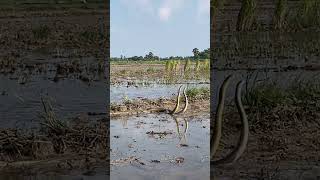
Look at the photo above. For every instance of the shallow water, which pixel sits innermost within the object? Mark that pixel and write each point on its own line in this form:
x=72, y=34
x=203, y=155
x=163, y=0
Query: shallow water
x=152, y=91
x=70, y=97
x=129, y=138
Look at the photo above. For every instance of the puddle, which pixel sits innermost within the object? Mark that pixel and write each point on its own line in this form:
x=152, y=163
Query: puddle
x=173, y=154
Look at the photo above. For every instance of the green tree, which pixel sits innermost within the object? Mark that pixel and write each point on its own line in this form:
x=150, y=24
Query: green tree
x=195, y=52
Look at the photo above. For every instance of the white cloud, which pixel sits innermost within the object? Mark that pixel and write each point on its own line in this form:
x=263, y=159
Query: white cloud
x=164, y=13
x=168, y=7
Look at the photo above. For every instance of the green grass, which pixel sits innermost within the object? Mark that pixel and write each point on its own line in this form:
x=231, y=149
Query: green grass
x=246, y=15
x=280, y=14
x=269, y=95
x=195, y=93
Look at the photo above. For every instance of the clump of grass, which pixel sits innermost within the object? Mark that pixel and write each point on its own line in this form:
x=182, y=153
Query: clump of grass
x=197, y=68
x=151, y=70
x=198, y=93
x=187, y=66
x=123, y=72
x=308, y=14
x=206, y=65
x=279, y=18
x=266, y=96
x=305, y=92
x=41, y=32
x=168, y=66
x=126, y=100
x=50, y=119
x=246, y=15
x=177, y=65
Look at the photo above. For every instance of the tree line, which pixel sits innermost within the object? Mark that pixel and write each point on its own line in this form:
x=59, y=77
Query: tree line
x=197, y=54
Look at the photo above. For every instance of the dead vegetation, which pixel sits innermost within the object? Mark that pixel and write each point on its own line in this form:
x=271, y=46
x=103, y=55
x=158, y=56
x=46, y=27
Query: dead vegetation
x=55, y=139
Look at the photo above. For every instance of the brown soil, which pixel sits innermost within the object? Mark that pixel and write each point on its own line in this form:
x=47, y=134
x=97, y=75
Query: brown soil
x=63, y=28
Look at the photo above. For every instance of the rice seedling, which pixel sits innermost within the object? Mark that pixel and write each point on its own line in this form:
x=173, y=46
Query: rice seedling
x=187, y=66
x=246, y=15
x=280, y=14
x=167, y=66
x=197, y=68
x=306, y=15
x=206, y=65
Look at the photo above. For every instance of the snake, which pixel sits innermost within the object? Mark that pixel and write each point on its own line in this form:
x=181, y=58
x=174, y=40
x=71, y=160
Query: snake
x=175, y=110
x=234, y=155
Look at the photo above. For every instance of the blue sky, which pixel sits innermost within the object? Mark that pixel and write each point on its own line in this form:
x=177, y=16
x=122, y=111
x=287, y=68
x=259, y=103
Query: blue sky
x=164, y=27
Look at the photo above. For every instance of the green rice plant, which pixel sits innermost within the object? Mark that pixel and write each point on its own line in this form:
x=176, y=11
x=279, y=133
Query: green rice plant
x=206, y=65
x=246, y=15
x=167, y=66
x=280, y=13
x=197, y=68
x=171, y=65
x=177, y=65
x=306, y=15
x=187, y=65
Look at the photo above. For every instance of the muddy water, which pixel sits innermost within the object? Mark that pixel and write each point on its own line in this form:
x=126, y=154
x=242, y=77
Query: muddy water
x=158, y=155
x=152, y=91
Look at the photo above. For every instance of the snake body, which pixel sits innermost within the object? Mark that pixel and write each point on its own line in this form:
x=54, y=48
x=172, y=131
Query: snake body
x=243, y=140
x=175, y=110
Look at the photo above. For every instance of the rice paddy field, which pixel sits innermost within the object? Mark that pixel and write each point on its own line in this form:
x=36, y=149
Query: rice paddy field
x=272, y=46
x=147, y=142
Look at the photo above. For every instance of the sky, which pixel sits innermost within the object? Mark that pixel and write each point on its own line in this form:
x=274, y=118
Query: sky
x=164, y=27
